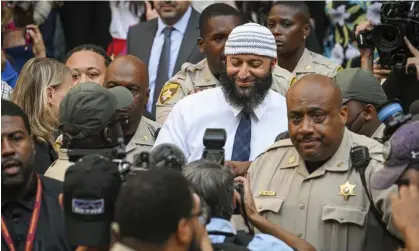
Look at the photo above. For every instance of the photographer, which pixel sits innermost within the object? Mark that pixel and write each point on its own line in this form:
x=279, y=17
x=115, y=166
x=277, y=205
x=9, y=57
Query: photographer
x=362, y=94
x=215, y=185
x=155, y=211
x=89, y=122
x=398, y=84
x=90, y=190
x=402, y=168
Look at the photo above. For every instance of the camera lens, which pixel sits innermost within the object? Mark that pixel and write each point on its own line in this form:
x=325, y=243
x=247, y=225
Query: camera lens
x=387, y=37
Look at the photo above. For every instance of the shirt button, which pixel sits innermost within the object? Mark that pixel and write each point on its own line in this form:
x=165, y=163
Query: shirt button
x=301, y=206
x=342, y=218
x=260, y=207
x=299, y=234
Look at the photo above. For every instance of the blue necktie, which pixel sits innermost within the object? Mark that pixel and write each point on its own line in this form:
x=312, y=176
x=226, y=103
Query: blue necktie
x=241, y=147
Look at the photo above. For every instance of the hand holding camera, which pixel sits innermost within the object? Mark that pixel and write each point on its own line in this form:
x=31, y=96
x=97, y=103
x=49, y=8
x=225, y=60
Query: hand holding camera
x=366, y=50
x=413, y=62
x=239, y=168
x=249, y=203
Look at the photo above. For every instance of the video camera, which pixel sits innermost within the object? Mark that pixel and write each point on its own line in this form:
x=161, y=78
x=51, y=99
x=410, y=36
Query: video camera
x=391, y=114
x=214, y=141
x=398, y=19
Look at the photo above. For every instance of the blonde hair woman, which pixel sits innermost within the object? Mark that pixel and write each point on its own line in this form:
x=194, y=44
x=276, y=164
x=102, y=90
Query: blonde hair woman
x=42, y=84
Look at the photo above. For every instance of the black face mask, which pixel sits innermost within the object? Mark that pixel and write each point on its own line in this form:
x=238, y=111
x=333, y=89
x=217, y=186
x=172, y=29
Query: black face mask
x=350, y=124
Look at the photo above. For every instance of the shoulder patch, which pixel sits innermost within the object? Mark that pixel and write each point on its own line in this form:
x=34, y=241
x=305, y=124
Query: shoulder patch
x=169, y=90
x=58, y=143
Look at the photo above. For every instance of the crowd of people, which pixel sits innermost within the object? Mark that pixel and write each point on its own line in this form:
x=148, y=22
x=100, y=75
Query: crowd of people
x=106, y=150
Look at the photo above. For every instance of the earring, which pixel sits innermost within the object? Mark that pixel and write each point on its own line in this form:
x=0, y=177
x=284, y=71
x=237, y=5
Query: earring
x=305, y=37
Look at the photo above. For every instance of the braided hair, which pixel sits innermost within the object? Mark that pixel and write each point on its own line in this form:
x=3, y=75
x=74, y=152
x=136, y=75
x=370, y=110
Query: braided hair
x=90, y=47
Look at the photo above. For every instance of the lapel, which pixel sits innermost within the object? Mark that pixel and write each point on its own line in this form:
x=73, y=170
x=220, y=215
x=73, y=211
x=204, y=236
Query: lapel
x=189, y=41
x=142, y=136
x=147, y=39
x=305, y=64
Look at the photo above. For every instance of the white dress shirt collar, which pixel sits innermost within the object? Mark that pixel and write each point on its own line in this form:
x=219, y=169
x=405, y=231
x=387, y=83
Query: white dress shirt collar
x=179, y=25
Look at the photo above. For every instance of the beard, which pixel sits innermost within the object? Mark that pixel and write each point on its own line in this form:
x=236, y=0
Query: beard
x=245, y=98
x=22, y=176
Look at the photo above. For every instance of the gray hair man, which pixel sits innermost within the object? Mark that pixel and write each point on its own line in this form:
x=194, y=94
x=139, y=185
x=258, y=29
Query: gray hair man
x=215, y=185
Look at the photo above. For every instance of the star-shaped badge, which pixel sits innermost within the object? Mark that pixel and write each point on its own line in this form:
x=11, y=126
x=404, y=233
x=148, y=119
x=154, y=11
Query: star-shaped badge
x=347, y=190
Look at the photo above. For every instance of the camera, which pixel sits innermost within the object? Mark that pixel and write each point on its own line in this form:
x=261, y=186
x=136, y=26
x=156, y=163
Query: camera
x=391, y=114
x=214, y=141
x=398, y=19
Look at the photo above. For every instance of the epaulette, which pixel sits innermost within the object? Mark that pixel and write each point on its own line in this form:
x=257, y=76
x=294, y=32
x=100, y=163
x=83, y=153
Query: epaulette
x=322, y=60
x=280, y=144
x=190, y=68
x=282, y=73
x=277, y=144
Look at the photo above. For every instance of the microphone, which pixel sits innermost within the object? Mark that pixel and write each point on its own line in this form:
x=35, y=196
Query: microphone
x=167, y=155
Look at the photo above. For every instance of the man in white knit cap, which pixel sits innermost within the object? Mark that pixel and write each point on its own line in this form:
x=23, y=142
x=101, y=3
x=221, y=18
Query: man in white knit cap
x=251, y=113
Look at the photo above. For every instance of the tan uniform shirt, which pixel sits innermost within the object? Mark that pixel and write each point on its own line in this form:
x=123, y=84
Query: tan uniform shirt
x=329, y=207
x=379, y=133
x=311, y=62
x=59, y=167
x=199, y=76
x=142, y=140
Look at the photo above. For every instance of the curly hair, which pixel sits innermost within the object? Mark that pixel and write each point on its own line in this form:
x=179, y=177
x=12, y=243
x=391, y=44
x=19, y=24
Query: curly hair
x=90, y=47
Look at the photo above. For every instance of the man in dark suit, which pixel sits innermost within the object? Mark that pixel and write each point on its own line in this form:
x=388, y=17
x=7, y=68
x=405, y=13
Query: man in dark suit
x=165, y=43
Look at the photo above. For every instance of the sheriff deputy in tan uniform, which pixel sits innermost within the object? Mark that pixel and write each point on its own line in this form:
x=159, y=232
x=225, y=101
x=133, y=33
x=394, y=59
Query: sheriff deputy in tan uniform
x=362, y=94
x=217, y=23
x=308, y=185
x=290, y=24
x=139, y=132
x=89, y=123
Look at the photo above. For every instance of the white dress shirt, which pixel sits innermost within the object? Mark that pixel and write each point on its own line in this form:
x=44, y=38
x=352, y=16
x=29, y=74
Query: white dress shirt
x=175, y=42
x=191, y=116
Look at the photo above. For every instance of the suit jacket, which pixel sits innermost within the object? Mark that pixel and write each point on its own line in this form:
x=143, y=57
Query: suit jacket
x=140, y=40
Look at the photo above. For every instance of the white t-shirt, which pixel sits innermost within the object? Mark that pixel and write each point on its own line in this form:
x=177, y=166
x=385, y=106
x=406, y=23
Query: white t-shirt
x=192, y=115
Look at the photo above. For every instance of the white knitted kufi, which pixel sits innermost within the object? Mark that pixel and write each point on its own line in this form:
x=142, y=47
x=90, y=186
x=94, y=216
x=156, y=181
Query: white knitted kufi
x=251, y=38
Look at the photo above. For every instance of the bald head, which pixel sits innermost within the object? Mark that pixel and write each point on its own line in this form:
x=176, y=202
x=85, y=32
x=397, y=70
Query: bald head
x=316, y=87
x=316, y=117
x=128, y=67
x=131, y=73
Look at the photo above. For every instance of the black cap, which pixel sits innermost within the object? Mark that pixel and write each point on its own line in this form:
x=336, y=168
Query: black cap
x=91, y=186
x=359, y=84
x=88, y=107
